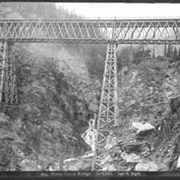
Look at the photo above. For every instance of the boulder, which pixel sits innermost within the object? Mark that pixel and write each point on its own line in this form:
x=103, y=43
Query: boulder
x=109, y=167
x=131, y=157
x=136, y=147
x=142, y=127
x=146, y=166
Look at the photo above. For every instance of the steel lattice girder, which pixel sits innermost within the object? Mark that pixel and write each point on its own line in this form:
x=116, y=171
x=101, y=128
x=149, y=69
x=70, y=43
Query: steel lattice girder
x=108, y=110
x=150, y=31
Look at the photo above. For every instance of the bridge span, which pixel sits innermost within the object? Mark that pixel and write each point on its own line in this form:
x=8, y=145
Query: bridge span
x=110, y=32
x=125, y=31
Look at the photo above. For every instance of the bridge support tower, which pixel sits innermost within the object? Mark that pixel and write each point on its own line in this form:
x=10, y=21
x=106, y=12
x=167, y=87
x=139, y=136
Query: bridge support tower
x=108, y=110
x=8, y=87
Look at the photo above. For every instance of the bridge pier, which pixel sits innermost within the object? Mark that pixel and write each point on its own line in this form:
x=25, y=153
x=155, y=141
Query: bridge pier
x=8, y=88
x=108, y=110
x=3, y=55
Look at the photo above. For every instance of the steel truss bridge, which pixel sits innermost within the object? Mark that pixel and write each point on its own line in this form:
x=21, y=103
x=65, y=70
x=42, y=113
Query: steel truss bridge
x=92, y=31
x=110, y=32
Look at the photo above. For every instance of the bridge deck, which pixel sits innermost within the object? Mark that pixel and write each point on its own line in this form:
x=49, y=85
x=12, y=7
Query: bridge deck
x=125, y=31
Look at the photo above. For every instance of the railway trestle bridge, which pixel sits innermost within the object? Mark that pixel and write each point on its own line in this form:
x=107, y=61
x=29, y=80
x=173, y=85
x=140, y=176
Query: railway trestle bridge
x=111, y=32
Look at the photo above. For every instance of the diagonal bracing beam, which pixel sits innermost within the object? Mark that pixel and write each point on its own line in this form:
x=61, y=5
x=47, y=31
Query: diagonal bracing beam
x=108, y=110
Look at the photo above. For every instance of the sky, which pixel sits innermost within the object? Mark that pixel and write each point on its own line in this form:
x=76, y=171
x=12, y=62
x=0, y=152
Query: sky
x=124, y=10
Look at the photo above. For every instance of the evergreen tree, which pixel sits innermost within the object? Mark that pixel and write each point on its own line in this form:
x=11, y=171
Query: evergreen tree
x=147, y=53
x=153, y=55
x=178, y=54
x=169, y=50
x=175, y=53
x=165, y=50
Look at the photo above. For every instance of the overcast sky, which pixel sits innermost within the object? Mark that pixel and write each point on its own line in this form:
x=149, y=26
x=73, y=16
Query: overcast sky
x=123, y=10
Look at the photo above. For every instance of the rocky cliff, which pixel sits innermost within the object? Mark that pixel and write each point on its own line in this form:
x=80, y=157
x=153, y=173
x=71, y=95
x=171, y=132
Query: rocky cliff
x=46, y=125
x=147, y=137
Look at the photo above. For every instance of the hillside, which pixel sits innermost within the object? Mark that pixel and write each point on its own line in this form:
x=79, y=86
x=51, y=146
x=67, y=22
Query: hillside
x=147, y=137
x=57, y=97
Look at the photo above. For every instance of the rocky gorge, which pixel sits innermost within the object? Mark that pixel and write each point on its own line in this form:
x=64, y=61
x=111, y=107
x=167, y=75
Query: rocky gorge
x=147, y=136
x=59, y=88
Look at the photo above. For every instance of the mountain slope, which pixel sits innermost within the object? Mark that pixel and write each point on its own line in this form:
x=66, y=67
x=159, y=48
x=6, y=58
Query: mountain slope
x=55, y=91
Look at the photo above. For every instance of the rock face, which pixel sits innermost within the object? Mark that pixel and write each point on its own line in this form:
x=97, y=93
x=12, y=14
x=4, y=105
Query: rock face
x=49, y=120
x=147, y=138
x=57, y=97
